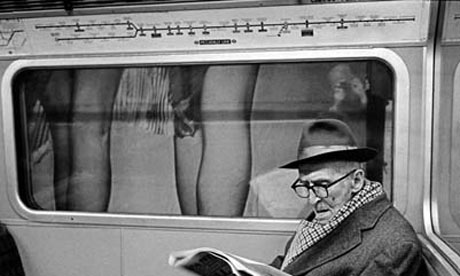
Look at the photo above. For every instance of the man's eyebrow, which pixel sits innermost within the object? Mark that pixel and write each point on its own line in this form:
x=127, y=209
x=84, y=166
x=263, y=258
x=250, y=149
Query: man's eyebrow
x=319, y=179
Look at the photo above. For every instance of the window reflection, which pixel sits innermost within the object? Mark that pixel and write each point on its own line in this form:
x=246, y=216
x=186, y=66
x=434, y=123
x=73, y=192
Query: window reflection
x=190, y=140
x=446, y=159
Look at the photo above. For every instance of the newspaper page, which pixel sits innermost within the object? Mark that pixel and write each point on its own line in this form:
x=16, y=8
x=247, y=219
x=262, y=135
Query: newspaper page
x=212, y=262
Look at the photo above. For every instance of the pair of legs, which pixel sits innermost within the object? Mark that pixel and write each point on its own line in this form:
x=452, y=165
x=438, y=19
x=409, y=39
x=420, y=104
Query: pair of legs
x=218, y=185
x=78, y=105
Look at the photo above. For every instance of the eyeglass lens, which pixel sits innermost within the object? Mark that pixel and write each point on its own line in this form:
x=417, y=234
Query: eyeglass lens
x=304, y=191
x=302, y=188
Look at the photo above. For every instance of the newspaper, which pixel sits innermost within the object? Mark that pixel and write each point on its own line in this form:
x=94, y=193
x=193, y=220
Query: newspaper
x=211, y=262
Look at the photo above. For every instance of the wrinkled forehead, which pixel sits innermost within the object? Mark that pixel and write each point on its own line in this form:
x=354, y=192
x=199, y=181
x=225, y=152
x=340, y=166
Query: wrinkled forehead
x=331, y=166
x=309, y=168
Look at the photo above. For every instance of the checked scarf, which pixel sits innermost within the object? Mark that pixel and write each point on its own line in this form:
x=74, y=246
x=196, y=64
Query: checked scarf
x=310, y=232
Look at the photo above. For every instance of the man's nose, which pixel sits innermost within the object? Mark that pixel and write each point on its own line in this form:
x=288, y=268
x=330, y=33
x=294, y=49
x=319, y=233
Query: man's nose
x=313, y=198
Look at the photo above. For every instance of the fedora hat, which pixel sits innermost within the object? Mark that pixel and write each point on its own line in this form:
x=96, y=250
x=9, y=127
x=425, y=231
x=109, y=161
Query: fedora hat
x=329, y=140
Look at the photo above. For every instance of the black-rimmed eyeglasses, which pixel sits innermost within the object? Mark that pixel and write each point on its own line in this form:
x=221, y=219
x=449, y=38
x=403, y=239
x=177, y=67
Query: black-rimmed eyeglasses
x=302, y=187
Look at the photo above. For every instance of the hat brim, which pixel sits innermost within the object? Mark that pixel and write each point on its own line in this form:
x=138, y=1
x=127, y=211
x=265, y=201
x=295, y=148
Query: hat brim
x=357, y=155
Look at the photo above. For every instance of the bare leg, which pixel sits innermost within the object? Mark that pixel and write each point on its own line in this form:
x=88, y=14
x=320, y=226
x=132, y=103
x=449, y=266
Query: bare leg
x=187, y=155
x=226, y=163
x=90, y=181
x=186, y=87
x=56, y=100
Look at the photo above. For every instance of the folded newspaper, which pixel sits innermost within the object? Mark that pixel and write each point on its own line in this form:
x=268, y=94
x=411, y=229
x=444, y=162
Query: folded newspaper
x=211, y=262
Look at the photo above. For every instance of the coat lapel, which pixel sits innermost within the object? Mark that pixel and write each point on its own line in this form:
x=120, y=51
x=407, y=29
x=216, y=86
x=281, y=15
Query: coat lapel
x=341, y=240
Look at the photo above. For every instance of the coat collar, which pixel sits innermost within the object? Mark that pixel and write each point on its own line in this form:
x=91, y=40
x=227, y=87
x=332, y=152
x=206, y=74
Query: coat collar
x=343, y=239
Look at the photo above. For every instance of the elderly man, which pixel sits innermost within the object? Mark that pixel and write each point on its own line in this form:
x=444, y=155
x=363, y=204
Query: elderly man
x=354, y=229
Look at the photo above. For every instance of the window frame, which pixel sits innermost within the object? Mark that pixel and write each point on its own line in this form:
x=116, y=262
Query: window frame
x=447, y=259
x=400, y=133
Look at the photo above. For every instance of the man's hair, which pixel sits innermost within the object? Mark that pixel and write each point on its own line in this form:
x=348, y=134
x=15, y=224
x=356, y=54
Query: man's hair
x=345, y=166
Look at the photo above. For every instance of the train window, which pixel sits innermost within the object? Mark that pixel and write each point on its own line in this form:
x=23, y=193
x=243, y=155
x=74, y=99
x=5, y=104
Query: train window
x=188, y=139
x=446, y=189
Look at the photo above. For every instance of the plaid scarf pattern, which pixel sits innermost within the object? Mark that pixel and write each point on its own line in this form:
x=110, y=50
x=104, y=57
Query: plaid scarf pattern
x=310, y=232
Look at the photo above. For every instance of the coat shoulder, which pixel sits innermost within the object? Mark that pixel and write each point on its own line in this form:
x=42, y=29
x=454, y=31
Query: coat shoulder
x=392, y=229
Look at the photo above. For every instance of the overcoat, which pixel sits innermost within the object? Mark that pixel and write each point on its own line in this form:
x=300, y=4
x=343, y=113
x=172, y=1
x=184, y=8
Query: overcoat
x=374, y=240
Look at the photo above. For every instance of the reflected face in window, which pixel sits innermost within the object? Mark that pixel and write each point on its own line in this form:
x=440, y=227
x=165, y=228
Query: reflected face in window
x=337, y=195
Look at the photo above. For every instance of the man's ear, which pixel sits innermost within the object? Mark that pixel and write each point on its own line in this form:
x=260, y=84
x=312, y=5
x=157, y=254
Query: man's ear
x=358, y=181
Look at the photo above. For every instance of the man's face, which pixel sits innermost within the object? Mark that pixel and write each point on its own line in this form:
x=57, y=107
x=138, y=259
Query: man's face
x=338, y=194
